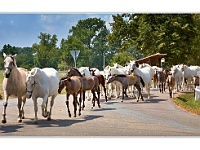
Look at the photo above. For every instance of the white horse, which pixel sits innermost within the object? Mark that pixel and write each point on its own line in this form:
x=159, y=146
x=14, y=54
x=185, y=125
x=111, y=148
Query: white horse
x=42, y=83
x=14, y=84
x=120, y=67
x=145, y=71
x=177, y=73
x=115, y=86
x=188, y=72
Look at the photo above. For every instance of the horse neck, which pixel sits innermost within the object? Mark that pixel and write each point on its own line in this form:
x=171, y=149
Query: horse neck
x=188, y=72
x=14, y=75
x=67, y=84
x=137, y=71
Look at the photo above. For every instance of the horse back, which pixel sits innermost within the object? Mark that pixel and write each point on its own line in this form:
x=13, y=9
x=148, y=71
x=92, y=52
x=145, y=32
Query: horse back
x=90, y=82
x=48, y=81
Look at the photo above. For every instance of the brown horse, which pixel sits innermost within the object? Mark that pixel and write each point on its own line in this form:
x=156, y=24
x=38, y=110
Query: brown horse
x=73, y=86
x=101, y=81
x=14, y=83
x=126, y=81
x=89, y=83
x=161, y=81
x=170, y=81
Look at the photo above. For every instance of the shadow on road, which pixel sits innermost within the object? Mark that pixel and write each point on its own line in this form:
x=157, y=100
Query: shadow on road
x=104, y=109
x=46, y=123
x=62, y=122
x=10, y=128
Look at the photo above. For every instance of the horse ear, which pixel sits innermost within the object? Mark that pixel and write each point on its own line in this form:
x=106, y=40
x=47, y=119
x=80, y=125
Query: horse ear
x=137, y=64
x=33, y=73
x=14, y=55
x=27, y=72
x=4, y=55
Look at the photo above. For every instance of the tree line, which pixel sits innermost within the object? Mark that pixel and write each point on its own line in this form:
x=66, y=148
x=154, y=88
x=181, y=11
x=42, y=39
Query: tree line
x=132, y=36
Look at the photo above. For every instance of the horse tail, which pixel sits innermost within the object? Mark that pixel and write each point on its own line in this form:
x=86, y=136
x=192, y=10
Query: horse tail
x=142, y=81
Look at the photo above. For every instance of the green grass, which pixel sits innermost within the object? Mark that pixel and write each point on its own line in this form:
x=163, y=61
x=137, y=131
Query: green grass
x=187, y=102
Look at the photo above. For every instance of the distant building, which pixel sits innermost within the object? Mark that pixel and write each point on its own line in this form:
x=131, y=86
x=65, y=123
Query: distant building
x=153, y=60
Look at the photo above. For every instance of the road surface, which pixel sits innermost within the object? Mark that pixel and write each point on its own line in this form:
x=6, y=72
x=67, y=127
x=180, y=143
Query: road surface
x=156, y=117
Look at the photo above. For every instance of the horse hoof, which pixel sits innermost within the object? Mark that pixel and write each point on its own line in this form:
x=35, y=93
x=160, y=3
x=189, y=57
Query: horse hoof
x=49, y=118
x=20, y=120
x=92, y=107
x=99, y=106
x=121, y=100
x=70, y=115
x=137, y=100
x=79, y=114
x=23, y=117
x=4, y=121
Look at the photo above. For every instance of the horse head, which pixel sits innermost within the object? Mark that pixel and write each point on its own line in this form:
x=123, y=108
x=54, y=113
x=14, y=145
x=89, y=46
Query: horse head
x=30, y=82
x=133, y=65
x=61, y=85
x=9, y=63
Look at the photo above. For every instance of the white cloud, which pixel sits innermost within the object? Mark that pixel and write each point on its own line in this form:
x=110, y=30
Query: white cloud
x=12, y=21
x=50, y=18
x=48, y=28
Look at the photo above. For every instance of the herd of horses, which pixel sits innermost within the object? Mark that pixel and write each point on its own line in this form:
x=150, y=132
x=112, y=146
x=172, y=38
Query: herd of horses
x=46, y=82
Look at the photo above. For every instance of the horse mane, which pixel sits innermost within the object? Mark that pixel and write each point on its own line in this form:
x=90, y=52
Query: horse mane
x=63, y=78
x=145, y=65
x=77, y=71
x=119, y=75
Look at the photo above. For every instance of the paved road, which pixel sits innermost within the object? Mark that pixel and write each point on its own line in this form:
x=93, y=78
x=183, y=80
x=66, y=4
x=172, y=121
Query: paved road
x=157, y=117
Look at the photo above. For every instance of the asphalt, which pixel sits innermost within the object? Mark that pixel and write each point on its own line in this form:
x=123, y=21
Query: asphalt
x=158, y=116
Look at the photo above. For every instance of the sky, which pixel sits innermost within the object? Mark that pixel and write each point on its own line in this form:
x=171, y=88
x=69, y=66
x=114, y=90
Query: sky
x=23, y=29
x=22, y=21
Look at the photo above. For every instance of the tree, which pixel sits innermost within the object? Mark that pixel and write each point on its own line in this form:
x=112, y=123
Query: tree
x=24, y=56
x=91, y=33
x=46, y=52
x=172, y=34
x=122, y=58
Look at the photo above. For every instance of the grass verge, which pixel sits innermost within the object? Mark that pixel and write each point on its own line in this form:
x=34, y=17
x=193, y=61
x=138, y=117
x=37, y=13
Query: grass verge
x=187, y=102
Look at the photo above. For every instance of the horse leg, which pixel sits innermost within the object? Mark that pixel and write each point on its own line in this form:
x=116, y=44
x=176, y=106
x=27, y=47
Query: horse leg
x=80, y=103
x=4, y=108
x=83, y=100
x=75, y=104
x=93, y=99
x=51, y=105
x=19, y=108
x=123, y=93
x=117, y=91
x=140, y=93
x=98, y=99
x=22, y=108
x=148, y=91
x=44, y=106
x=164, y=86
x=170, y=92
x=35, y=110
x=104, y=88
x=67, y=103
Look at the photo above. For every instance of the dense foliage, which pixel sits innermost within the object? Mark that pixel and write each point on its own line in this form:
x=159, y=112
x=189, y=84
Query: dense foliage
x=176, y=35
x=132, y=36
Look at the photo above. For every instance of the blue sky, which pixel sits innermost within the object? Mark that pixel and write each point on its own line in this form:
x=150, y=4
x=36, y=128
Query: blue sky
x=22, y=30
